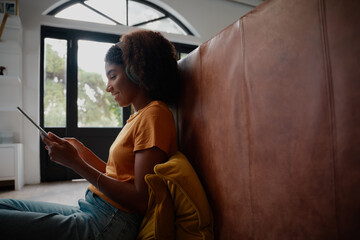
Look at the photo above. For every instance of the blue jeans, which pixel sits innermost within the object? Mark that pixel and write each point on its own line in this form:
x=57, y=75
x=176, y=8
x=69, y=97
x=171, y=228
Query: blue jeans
x=92, y=219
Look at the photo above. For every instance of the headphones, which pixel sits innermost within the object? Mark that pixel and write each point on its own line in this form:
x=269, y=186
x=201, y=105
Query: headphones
x=129, y=72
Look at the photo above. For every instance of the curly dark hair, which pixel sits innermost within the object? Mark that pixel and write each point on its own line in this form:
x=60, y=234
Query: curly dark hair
x=114, y=56
x=152, y=59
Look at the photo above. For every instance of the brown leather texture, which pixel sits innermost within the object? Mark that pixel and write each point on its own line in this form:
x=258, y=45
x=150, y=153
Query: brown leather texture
x=270, y=119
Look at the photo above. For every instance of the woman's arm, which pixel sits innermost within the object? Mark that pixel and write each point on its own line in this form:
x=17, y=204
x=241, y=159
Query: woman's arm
x=132, y=196
x=87, y=155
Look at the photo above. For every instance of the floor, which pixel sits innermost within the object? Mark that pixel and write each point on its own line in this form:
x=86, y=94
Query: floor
x=68, y=192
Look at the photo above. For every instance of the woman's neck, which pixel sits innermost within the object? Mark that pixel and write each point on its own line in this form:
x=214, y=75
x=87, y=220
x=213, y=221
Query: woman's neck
x=141, y=101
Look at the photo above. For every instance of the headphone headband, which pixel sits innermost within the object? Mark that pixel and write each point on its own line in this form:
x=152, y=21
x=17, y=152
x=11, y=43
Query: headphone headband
x=130, y=74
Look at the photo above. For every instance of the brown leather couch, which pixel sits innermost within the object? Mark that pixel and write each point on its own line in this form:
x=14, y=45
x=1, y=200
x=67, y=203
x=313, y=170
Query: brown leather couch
x=270, y=120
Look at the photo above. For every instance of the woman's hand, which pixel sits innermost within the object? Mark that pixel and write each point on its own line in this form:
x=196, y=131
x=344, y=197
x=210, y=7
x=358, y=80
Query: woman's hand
x=61, y=151
x=87, y=155
x=80, y=148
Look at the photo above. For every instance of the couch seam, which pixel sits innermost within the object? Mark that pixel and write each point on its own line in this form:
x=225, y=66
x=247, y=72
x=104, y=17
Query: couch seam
x=331, y=102
x=247, y=92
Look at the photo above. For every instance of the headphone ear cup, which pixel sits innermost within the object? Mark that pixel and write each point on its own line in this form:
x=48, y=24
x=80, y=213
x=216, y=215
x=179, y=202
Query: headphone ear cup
x=132, y=76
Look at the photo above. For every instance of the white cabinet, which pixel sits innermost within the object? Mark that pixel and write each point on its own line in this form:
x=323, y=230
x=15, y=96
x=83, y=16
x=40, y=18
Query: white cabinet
x=11, y=164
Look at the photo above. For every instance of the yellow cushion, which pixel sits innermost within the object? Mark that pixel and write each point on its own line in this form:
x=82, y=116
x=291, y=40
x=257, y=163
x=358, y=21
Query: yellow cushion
x=193, y=217
x=158, y=222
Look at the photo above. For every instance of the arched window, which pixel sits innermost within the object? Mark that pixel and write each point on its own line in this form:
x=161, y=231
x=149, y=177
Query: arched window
x=133, y=13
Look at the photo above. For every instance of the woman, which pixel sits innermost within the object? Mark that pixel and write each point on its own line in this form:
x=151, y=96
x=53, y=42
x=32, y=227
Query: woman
x=141, y=71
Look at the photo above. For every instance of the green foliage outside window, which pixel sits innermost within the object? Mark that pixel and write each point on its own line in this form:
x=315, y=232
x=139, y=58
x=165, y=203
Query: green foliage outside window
x=96, y=107
x=55, y=89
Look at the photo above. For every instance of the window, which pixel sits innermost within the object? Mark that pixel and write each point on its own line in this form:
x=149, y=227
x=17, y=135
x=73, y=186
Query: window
x=134, y=13
x=95, y=108
x=55, y=82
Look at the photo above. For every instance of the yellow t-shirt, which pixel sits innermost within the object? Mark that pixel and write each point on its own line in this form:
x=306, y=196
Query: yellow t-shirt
x=151, y=126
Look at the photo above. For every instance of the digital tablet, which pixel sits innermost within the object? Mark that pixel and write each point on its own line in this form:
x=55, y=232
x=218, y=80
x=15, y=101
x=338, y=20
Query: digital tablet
x=38, y=127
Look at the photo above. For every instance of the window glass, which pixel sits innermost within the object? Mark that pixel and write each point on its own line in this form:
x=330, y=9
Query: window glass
x=129, y=13
x=82, y=13
x=165, y=25
x=117, y=11
x=55, y=83
x=96, y=107
x=139, y=13
x=182, y=55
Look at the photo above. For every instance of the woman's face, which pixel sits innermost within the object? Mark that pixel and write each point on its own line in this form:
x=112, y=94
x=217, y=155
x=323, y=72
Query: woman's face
x=119, y=85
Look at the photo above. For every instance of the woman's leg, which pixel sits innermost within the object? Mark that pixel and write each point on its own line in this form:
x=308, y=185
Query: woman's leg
x=42, y=220
x=113, y=223
x=92, y=219
x=32, y=225
x=36, y=206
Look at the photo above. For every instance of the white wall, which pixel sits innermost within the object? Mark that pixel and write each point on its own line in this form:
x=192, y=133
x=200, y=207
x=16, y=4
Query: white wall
x=208, y=17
